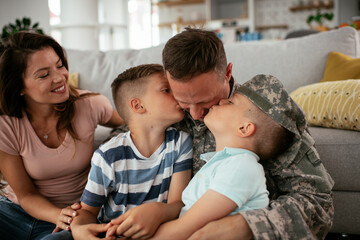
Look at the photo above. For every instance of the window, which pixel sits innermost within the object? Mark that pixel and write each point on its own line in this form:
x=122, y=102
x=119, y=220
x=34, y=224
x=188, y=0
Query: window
x=118, y=24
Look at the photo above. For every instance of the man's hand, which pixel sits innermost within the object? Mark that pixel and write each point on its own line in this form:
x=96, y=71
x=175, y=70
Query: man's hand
x=232, y=227
x=66, y=217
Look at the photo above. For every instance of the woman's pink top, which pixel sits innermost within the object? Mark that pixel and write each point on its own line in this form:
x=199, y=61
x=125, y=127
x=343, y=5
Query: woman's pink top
x=59, y=174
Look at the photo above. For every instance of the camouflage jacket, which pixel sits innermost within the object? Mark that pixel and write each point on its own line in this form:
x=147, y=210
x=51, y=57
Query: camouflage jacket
x=301, y=205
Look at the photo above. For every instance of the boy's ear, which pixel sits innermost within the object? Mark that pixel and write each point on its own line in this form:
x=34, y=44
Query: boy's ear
x=136, y=105
x=246, y=129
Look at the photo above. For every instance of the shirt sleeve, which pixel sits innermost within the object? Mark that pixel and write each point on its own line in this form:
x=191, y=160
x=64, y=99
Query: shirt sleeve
x=101, y=108
x=9, y=133
x=100, y=181
x=184, y=160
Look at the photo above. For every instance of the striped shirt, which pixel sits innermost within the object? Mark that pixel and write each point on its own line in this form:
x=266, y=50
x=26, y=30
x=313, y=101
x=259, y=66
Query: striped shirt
x=121, y=178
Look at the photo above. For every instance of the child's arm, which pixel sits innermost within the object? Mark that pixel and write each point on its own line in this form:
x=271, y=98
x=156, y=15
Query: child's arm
x=142, y=221
x=84, y=225
x=211, y=206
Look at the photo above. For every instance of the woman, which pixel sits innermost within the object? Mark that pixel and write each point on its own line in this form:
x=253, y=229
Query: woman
x=46, y=136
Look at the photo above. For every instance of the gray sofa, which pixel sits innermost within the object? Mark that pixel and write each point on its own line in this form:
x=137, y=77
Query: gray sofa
x=296, y=62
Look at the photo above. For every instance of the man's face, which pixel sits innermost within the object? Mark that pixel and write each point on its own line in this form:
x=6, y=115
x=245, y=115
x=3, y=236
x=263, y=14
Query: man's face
x=201, y=92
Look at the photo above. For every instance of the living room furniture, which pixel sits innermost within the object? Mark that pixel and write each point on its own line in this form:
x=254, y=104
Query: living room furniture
x=296, y=62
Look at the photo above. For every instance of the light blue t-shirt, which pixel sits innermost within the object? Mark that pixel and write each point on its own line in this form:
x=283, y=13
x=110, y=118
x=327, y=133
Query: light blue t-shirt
x=234, y=173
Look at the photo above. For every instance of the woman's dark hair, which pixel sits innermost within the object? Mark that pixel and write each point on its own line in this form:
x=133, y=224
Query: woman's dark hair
x=14, y=53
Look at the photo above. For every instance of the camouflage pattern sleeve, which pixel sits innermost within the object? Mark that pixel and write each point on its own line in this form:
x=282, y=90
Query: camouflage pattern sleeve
x=116, y=131
x=301, y=205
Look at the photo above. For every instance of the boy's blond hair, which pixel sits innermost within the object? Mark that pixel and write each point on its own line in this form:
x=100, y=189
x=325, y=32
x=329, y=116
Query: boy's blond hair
x=132, y=83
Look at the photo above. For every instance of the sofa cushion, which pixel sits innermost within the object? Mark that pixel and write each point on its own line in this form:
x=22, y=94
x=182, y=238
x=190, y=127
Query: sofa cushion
x=346, y=219
x=98, y=69
x=295, y=62
x=339, y=151
x=341, y=67
x=334, y=104
x=74, y=79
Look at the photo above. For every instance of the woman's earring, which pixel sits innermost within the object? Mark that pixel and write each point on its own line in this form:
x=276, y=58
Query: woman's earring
x=22, y=94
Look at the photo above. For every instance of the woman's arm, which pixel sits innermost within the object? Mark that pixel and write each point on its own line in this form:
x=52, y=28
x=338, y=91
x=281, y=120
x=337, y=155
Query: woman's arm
x=114, y=121
x=211, y=206
x=29, y=198
x=143, y=220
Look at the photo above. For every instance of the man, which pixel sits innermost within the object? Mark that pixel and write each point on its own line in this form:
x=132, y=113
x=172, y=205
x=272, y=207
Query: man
x=301, y=205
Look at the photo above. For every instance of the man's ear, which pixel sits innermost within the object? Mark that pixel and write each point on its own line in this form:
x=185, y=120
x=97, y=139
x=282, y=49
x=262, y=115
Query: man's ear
x=246, y=129
x=136, y=105
x=228, y=72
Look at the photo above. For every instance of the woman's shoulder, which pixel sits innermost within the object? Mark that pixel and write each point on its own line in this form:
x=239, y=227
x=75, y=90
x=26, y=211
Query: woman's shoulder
x=89, y=97
x=93, y=106
x=9, y=120
x=82, y=92
x=12, y=130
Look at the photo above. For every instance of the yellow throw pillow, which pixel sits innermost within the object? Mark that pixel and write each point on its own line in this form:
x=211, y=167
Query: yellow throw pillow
x=341, y=67
x=74, y=79
x=333, y=104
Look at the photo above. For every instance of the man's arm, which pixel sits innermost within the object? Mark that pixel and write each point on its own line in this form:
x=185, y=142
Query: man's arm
x=270, y=223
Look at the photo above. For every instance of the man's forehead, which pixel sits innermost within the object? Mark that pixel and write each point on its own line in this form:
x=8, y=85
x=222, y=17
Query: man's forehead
x=196, y=97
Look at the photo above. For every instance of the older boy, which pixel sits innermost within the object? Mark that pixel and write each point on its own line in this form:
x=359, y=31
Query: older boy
x=245, y=130
x=136, y=167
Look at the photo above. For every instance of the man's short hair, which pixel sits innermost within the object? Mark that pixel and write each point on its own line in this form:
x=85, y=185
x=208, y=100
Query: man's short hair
x=193, y=52
x=132, y=83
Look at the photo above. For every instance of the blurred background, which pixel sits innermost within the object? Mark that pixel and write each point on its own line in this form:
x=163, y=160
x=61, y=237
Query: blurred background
x=117, y=24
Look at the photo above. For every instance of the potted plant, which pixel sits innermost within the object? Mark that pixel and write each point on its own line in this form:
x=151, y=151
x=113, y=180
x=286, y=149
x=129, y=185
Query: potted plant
x=319, y=18
x=20, y=25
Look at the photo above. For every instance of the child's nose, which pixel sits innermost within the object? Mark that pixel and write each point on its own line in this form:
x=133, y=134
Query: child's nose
x=223, y=101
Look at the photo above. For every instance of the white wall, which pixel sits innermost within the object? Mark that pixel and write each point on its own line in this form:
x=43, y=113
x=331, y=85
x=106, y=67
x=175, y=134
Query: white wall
x=36, y=10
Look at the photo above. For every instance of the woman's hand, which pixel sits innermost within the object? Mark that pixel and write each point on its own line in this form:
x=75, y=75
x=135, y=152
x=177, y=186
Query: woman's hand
x=66, y=216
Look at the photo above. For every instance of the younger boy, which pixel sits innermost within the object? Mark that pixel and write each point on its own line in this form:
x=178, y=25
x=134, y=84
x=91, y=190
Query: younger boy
x=232, y=180
x=136, y=167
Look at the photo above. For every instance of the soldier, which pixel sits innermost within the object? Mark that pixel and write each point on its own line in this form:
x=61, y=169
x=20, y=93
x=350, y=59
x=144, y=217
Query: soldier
x=301, y=205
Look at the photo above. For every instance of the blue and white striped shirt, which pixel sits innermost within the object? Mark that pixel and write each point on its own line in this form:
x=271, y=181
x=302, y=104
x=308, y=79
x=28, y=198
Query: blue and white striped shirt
x=121, y=178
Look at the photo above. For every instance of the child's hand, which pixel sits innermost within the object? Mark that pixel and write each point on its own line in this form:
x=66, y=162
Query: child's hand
x=89, y=231
x=139, y=222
